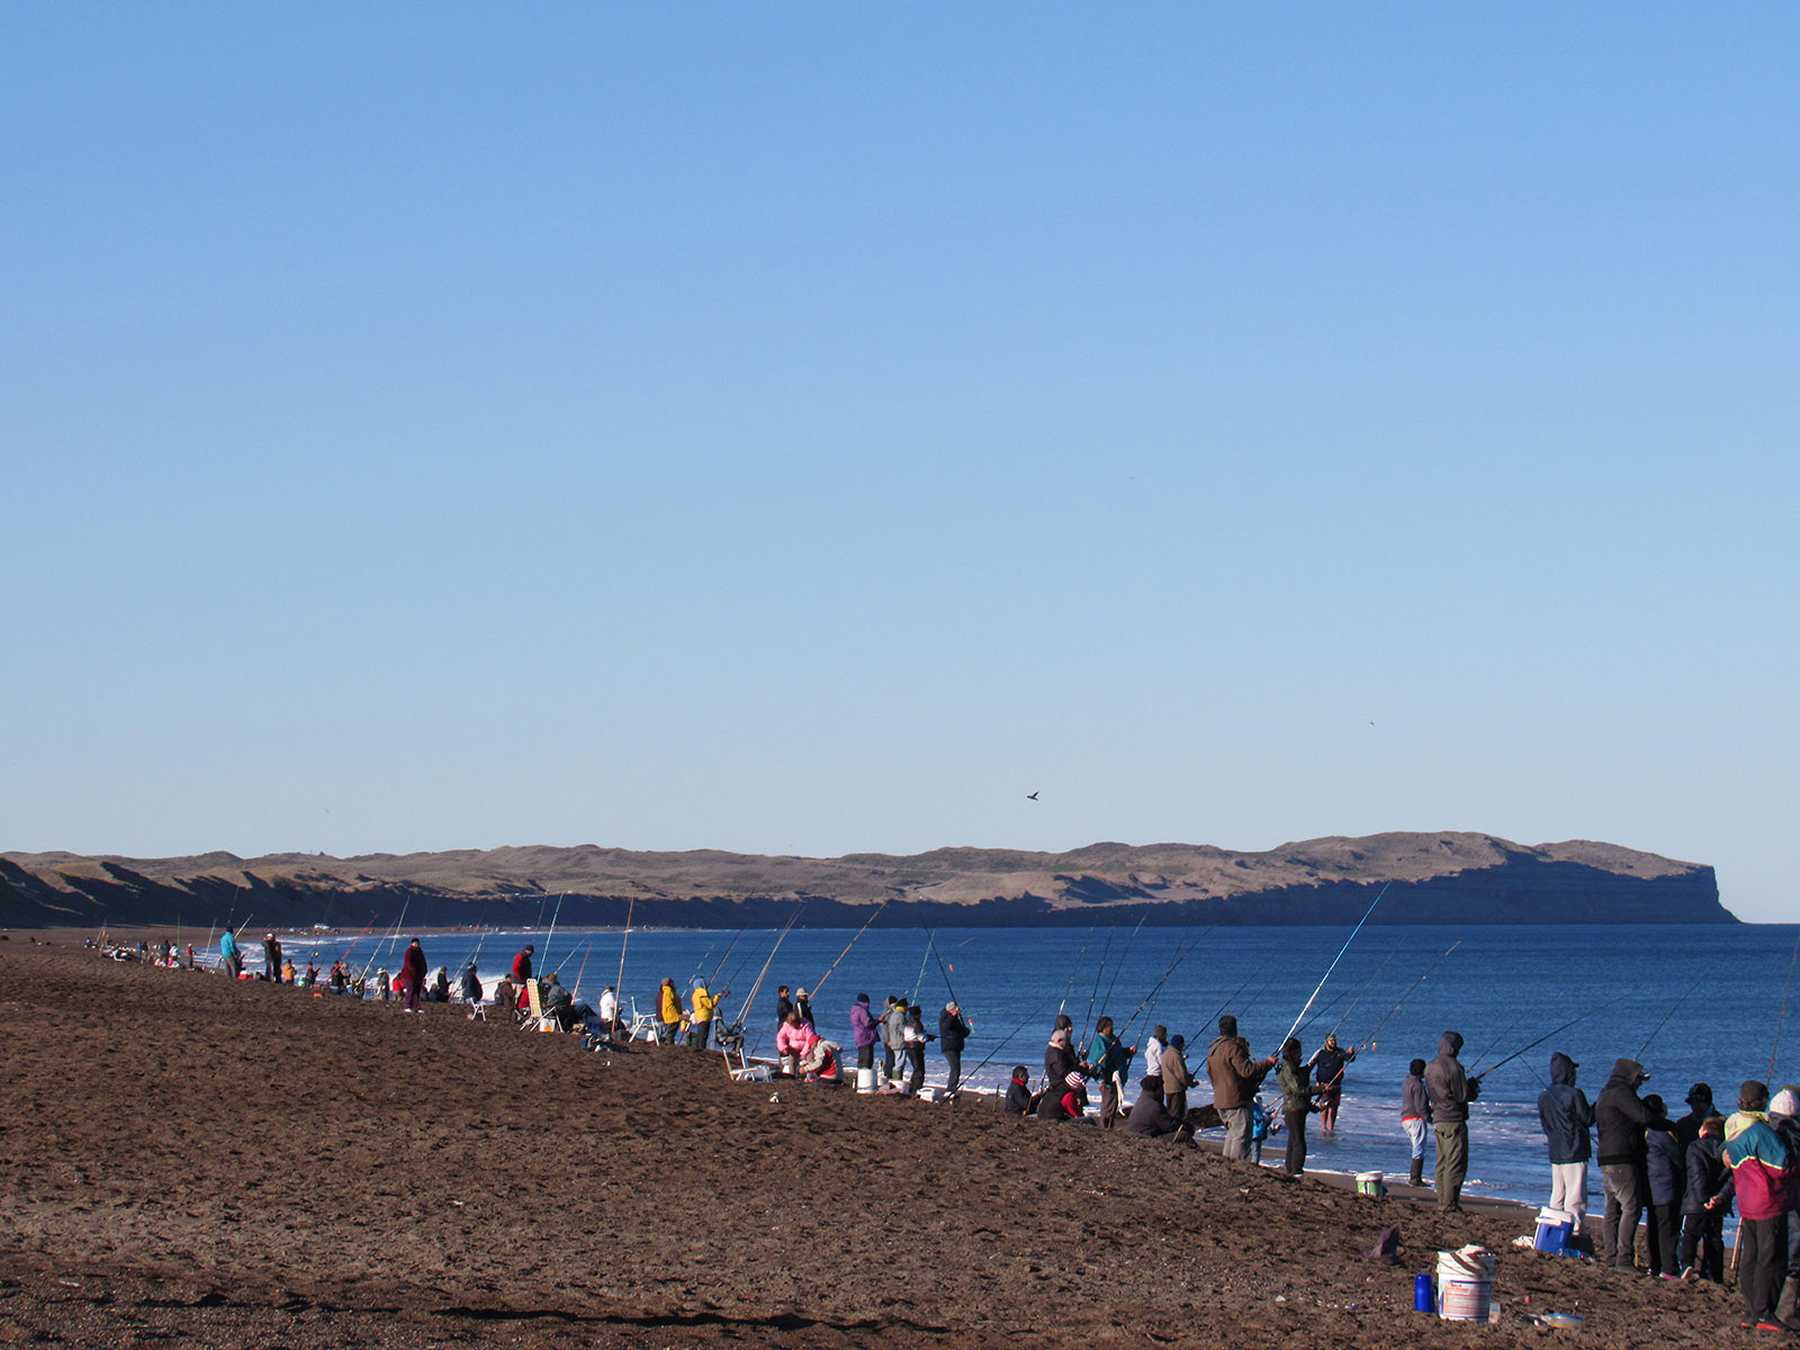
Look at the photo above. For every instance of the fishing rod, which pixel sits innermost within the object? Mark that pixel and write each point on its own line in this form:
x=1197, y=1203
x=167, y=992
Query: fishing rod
x=1369, y=1040
x=1325, y=1010
x=1087, y=1018
x=1230, y=997
x=1355, y=1003
x=1121, y=966
x=721, y=966
x=619, y=989
x=1665, y=1021
x=1069, y=984
x=376, y=954
x=581, y=974
x=848, y=945
x=544, y=957
x=1004, y=1042
x=1781, y=1022
x=1181, y=953
x=761, y=975
x=913, y=999
x=931, y=946
x=1334, y=961
x=1546, y=1036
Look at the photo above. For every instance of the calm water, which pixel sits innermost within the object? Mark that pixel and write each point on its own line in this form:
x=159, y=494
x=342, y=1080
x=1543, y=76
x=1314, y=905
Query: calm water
x=1503, y=987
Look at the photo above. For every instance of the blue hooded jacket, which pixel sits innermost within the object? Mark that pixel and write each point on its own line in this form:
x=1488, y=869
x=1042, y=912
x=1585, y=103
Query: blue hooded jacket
x=1564, y=1112
x=227, y=945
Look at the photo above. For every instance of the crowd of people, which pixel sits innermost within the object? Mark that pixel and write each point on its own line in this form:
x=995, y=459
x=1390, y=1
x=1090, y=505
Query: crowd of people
x=1683, y=1174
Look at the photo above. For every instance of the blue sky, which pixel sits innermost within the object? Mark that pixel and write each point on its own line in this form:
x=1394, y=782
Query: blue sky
x=810, y=430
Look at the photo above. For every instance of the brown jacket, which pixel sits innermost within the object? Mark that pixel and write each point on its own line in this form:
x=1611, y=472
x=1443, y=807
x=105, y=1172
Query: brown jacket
x=1174, y=1069
x=1235, y=1077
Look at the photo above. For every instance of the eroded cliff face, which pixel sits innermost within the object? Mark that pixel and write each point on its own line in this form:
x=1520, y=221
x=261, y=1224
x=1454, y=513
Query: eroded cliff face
x=1432, y=878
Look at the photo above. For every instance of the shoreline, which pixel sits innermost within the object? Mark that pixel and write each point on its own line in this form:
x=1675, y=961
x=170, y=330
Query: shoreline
x=241, y=1164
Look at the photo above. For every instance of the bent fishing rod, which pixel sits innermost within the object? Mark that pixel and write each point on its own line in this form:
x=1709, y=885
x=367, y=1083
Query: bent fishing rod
x=1334, y=962
x=1368, y=1041
x=854, y=938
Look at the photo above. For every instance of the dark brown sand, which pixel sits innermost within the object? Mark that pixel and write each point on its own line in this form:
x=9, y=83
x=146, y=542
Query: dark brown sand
x=186, y=1160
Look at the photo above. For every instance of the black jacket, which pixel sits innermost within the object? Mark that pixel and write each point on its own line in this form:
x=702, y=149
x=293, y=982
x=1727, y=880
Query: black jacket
x=953, y=1032
x=1687, y=1129
x=1708, y=1175
x=1565, y=1115
x=783, y=1007
x=1621, y=1117
x=1018, y=1099
x=1664, y=1164
x=1149, y=1117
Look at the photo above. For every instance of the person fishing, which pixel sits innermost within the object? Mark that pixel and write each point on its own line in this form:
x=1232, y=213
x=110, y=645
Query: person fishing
x=893, y=1039
x=1762, y=1176
x=412, y=974
x=954, y=1031
x=1300, y=1094
x=668, y=1013
x=557, y=1002
x=916, y=1037
x=1567, y=1119
x=1705, y=1204
x=803, y=1006
x=521, y=966
x=1175, y=1078
x=1621, y=1119
x=700, y=1019
x=471, y=990
x=1154, y=1044
x=1784, y=1117
x=271, y=957
x=1148, y=1116
x=440, y=983
x=1328, y=1064
x=783, y=1005
x=1235, y=1079
x=1110, y=1059
x=1415, y=1117
x=1018, y=1092
x=608, y=1010
x=1059, y=1063
x=228, y=954
x=863, y=1033
x=1449, y=1091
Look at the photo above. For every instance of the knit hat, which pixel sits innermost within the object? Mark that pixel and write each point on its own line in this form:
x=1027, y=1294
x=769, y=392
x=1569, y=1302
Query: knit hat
x=1073, y=1079
x=1786, y=1103
x=1700, y=1092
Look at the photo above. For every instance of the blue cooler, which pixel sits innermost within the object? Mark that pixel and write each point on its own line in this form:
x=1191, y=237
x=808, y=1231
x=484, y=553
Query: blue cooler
x=1554, y=1228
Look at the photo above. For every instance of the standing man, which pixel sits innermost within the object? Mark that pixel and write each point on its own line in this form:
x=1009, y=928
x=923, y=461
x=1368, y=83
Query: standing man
x=609, y=1010
x=1177, y=1078
x=1621, y=1119
x=783, y=1005
x=272, y=957
x=1761, y=1175
x=700, y=1023
x=893, y=1038
x=412, y=974
x=1449, y=1091
x=953, y=1034
x=1700, y=1106
x=1566, y=1117
x=1328, y=1063
x=521, y=970
x=229, y=954
x=803, y=1006
x=668, y=1013
x=1235, y=1079
x=1109, y=1059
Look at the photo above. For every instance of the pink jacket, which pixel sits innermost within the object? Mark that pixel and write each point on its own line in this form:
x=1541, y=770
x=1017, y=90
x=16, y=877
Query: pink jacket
x=795, y=1040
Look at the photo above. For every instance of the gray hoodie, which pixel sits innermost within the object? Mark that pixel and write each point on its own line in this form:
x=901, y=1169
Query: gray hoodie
x=1449, y=1088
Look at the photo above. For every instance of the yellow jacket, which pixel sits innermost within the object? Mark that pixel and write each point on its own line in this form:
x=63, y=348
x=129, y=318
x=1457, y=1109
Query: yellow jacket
x=704, y=1003
x=671, y=1004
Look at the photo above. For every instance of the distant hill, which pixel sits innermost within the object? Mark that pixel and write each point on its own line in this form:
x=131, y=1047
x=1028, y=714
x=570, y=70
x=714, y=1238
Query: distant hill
x=1450, y=877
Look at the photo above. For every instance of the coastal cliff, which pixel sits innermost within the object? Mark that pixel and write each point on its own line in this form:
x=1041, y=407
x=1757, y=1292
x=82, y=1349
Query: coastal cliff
x=1449, y=877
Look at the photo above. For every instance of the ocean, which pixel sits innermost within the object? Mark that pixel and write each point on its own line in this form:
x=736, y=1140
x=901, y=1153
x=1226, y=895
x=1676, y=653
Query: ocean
x=1707, y=999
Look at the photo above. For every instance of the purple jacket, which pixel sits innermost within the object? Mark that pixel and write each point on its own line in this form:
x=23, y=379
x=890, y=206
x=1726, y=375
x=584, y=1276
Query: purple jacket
x=862, y=1026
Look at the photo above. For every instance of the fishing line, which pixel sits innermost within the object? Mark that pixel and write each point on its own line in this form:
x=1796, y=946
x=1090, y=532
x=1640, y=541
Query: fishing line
x=854, y=938
x=931, y=946
x=1369, y=1040
x=544, y=956
x=1781, y=1022
x=1665, y=1020
x=1069, y=984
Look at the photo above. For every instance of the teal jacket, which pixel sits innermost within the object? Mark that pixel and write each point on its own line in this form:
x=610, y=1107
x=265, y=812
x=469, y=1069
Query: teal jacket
x=1108, y=1056
x=228, y=945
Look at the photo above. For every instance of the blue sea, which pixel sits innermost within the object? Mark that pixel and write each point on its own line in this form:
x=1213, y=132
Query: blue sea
x=1695, y=1003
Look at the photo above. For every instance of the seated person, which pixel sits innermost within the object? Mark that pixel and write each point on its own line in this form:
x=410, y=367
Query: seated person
x=821, y=1062
x=794, y=1042
x=558, y=1004
x=1148, y=1115
x=1018, y=1092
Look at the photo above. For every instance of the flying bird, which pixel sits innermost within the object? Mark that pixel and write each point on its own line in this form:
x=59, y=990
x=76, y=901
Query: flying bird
x=1032, y=796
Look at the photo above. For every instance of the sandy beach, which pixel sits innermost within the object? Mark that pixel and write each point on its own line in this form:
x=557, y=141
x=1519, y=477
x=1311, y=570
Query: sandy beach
x=189, y=1161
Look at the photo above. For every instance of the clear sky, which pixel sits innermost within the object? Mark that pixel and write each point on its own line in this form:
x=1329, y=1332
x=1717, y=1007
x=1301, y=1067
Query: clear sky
x=811, y=429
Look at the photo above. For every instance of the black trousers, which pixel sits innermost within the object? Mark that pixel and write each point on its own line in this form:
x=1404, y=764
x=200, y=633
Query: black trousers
x=916, y=1054
x=1762, y=1266
x=1665, y=1240
x=887, y=1063
x=865, y=1056
x=1703, y=1244
x=953, y=1063
x=1296, y=1141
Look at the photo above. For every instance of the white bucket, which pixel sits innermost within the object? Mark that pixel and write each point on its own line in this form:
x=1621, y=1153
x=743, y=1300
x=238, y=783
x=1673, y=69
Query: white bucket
x=1371, y=1183
x=865, y=1080
x=1465, y=1285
